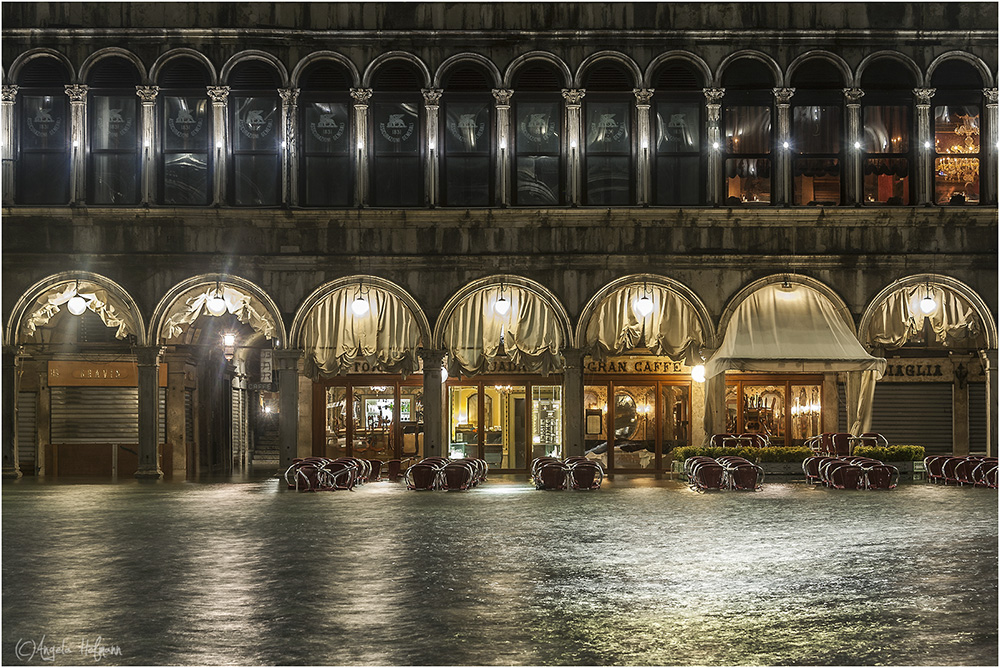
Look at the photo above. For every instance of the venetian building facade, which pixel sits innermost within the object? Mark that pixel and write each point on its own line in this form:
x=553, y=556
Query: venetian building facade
x=237, y=234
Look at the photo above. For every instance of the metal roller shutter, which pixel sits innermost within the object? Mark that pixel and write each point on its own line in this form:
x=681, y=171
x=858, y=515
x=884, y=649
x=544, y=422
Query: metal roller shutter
x=100, y=415
x=977, y=417
x=27, y=430
x=915, y=414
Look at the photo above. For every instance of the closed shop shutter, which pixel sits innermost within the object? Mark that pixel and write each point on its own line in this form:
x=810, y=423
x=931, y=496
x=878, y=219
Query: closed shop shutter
x=189, y=416
x=27, y=431
x=977, y=418
x=910, y=414
x=100, y=415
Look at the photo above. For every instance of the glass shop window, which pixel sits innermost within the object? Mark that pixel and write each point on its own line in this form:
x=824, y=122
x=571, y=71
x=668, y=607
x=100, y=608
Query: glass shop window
x=538, y=117
x=747, y=132
x=363, y=418
x=255, y=128
x=397, y=138
x=326, y=138
x=957, y=124
x=678, y=104
x=185, y=131
x=467, y=138
x=114, y=133
x=817, y=134
x=607, y=127
x=887, y=122
x=785, y=409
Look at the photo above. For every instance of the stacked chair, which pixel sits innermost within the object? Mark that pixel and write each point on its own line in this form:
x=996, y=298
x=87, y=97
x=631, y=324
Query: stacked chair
x=849, y=472
x=570, y=473
x=749, y=440
x=441, y=473
x=970, y=470
x=843, y=444
x=728, y=472
x=316, y=474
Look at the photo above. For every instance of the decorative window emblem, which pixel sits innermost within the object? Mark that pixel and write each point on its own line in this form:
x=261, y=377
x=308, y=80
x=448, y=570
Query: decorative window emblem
x=254, y=125
x=395, y=129
x=43, y=124
x=327, y=129
x=185, y=125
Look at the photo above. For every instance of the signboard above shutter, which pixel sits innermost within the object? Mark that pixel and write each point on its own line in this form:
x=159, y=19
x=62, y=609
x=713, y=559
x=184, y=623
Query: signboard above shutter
x=98, y=374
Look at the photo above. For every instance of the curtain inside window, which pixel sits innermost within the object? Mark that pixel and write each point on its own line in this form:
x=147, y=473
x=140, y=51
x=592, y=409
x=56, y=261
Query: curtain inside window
x=672, y=328
x=113, y=312
x=386, y=336
x=899, y=318
x=246, y=308
x=530, y=332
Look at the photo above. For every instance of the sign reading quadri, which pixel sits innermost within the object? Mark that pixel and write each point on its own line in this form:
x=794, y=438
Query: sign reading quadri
x=106, y=374
x=636, y=365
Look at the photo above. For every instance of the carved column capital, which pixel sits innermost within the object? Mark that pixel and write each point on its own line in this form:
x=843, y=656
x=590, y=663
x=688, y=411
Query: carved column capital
x=853, y=95
x=432, y=359
x=643, y=95
x=361, y=95
x=77, y=92
x=924, y=95
x=502, y=96
x=9, y=92
x=147, y=94
x=783, y=95
x=713, y=95
x=432, y=96
x=147, y=355
x=218, y=94
x=573, y=96
x=289, y=96
x=991, y=95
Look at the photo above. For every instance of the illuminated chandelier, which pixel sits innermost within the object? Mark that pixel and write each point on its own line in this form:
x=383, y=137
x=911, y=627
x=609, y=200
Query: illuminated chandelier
x=962, y=170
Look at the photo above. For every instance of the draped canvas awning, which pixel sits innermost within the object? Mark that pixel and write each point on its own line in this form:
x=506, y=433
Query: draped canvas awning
x=247, y=309
x=111, y=310
x=795, y=330
x=899, y=318
x=531, y=333
x=672, y=328
x=387, y=336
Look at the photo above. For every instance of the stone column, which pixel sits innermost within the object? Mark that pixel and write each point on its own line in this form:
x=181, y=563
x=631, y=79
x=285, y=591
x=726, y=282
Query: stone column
x=574, y=438
x=713, y=135
x=286, y=363
x=853, y=168
x=505, y=143
x=43, y=419
x=433, y=360
x=361, y=97
x=432, y=100
x=11, y=362
x=147, y=169
x=643, y=97
x=176, y=417
x=78, y=137
x=960, y=412
x=219, y=96
x=7, y=137
x=782, y=163
x=988, y=180
x=988, y=358
x=574, y=98
x=148, y=359
x=289, y=146
x=924, y=168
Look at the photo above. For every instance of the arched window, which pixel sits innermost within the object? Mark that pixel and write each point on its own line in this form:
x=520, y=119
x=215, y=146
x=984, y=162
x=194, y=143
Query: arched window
x=255, y=135
x=607, y=125
x=467, y=129
x=887, y=119
x=957, y=114
x=679, y=102
x=397, y=136
x=113, y=133
x=817, y=133
x=538, y=113
x=746, y=131
x=326, y=134
x=43, y=132
x=185, y=131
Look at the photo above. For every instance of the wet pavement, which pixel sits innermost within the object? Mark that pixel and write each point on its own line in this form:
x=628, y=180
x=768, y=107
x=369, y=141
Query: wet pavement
x=642, y=572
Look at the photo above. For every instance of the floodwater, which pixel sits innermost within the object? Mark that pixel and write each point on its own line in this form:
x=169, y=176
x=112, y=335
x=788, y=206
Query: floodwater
x=642, y=572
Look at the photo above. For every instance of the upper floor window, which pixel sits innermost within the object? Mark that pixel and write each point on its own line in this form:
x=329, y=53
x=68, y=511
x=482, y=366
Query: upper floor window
x=746, y=132
x=887, y=113
x=397, y=137
x=607, y=125
x=817, y=132
x=255, y=131
x=113, y=132
x=957, y=123
x=185, y=132
x=678, y=107
x=43, y=134
x=326, y=137
x=538, y=131
x=467, y=132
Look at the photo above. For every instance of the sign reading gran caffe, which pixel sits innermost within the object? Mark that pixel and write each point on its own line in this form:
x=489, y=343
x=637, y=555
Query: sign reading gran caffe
x=636, y=365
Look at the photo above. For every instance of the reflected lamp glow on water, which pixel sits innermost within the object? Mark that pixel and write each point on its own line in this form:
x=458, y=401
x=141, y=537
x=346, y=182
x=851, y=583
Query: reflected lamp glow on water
x=642, y=572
